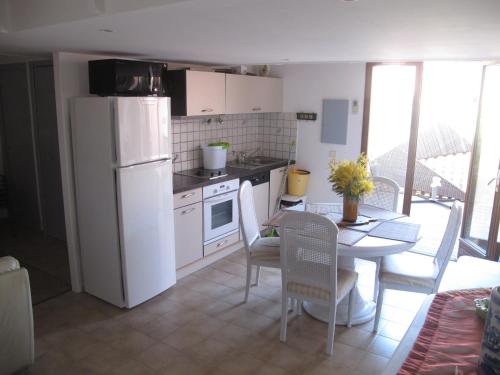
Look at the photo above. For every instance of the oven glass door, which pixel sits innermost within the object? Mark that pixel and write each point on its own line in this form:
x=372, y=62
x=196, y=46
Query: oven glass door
x=220, y=215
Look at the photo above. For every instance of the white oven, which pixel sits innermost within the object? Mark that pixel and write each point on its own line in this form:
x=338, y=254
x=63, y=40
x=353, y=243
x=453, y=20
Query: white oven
x=220, y=210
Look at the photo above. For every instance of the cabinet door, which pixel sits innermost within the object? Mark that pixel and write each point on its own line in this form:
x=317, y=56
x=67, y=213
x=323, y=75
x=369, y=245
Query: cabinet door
x=239, y=94
x=205, y=93
x=261, y=199
x=271, y=94
x=274, y=187
x=188, y=234
x=247, y=94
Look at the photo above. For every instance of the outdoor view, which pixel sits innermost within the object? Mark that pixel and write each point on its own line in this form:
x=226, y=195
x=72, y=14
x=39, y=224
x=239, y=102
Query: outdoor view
x=444, y=142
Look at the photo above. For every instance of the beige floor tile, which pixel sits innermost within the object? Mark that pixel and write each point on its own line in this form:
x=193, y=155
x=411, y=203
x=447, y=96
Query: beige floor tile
x=201, y=326
x=214, y=275
x=235, y=334
x=210, y=351
x=158, y=329
x=234, y=282
x=371, y=364
x=241, y=364
x=270, y=369
x=159, y=356
x=383, y=346
x=288, y=358
x=355, y=337
x=253, y=321
x=183, y=366
x=105, y=361
x=132, y=367
x=73, y=344
x=132, y=342
x=137, y=317
x=183, y=337
x=343, y=356
x=397, y=315
x=233, y=268
x=393, y=331
x=160, y=305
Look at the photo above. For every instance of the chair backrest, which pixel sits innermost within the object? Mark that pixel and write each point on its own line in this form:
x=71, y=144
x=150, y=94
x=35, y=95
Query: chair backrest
x=308, y=251
x=448, y=242
x=385, y=194
x=248, y=217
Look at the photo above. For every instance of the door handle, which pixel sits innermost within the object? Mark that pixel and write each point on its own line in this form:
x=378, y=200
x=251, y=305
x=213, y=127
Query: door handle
x=221, y=243
x=256, y=109
x=207, y=110
x=187, y=195
x=189, y=210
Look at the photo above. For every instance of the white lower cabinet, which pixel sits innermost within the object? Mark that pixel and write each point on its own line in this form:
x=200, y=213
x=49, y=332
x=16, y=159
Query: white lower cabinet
x=221, y=244
x=261, y=199
x=188, y=222
x=274, y=187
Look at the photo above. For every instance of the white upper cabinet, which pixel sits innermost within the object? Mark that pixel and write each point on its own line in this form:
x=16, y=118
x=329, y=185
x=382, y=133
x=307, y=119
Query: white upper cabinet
x=249, y=94
x=196, y=93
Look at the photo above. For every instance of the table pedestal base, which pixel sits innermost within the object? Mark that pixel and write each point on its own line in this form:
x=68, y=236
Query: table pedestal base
x=363, y=310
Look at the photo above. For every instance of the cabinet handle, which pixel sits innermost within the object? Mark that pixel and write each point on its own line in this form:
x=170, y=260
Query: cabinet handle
x=221, y=243
x=185, y=212
x=207, y=110
x=187, y=195
x=256, y=109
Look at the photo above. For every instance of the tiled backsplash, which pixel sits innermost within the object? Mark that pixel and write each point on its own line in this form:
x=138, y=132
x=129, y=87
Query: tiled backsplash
x=268, y=134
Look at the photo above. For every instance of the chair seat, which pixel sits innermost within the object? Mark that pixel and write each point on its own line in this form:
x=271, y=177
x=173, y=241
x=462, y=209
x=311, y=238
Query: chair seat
x=409, y=269
x=346, y=280
x=266, y=249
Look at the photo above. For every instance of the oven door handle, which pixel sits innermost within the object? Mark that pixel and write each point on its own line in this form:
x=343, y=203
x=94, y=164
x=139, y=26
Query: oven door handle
x=219, y=198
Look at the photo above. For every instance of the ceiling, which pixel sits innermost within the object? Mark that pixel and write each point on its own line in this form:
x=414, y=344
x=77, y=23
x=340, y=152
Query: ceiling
x=255, y=31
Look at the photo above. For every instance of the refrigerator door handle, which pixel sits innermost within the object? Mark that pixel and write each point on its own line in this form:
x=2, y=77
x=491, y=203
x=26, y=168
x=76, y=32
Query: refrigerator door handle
x=148, y=164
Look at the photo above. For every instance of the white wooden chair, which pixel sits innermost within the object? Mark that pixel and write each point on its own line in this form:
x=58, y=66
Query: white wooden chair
x=260, y=251
x=418, y=273
x=385, y=195
x=309, y=268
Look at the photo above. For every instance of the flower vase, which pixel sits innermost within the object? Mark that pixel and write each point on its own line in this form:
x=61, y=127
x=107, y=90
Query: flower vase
x=350, y=211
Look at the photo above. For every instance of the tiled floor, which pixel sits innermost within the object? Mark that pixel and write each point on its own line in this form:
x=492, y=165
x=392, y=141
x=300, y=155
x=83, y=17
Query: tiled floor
x=201, y=326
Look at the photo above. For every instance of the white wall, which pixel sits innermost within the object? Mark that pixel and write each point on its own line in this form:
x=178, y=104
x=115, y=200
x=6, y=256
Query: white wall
x=71, y=79
x=304, y=87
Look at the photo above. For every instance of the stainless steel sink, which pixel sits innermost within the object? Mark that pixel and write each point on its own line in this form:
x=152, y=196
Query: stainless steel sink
x=254, y=162
x=263, y=160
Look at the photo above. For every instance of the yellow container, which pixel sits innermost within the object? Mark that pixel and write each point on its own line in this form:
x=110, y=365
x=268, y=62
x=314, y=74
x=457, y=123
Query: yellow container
x=297, y=181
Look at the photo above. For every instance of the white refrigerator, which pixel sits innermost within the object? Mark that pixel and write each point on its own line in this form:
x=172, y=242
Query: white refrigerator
x=123, y=183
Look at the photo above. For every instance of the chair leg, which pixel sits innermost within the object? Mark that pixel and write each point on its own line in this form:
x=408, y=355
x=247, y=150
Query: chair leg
x=257, y=276
x=299, y=307
x=350, y=308
x=284, y=315
x=380, y=300
x=377, y=272
x=331, y=329
x=249, y=276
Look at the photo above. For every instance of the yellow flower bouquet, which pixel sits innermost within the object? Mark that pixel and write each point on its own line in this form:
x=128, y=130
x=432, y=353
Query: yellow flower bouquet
x=350, y=179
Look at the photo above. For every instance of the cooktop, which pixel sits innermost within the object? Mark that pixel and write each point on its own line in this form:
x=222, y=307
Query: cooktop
x=206, y=174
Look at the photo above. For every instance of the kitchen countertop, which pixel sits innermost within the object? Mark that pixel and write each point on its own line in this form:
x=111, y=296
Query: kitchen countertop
x=183, y=183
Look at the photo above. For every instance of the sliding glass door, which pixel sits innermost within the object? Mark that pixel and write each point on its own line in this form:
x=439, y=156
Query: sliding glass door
x=482, y=212
x=392, y=96
x=434, y=128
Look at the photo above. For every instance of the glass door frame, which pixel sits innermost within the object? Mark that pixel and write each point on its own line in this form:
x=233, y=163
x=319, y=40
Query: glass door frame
x=493, y=249
x=415, y=115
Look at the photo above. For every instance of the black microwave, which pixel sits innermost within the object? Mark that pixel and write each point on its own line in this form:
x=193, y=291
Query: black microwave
x=114, y=77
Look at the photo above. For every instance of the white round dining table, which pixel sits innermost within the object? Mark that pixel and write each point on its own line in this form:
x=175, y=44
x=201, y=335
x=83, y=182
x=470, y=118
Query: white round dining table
x=364, y=306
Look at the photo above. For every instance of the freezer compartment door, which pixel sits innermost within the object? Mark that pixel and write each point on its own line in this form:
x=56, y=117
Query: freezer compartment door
x=142, y=129
x=145, y=204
